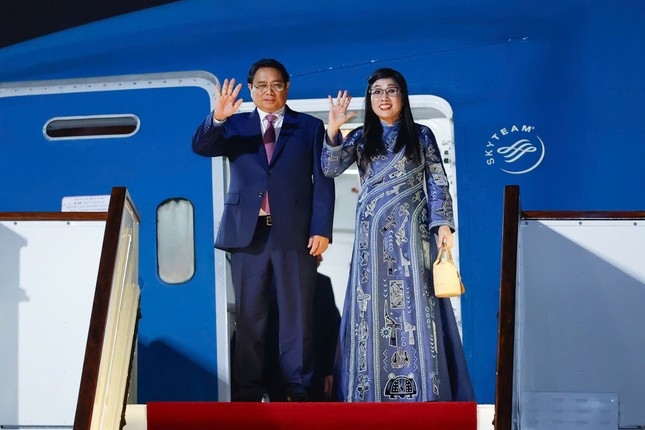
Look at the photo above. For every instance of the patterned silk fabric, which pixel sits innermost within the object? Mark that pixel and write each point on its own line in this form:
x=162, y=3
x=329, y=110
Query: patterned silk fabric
x=392, y=342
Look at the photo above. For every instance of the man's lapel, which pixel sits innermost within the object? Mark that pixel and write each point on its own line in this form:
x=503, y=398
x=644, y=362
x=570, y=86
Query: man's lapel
x=289, y=124
x=253, y=125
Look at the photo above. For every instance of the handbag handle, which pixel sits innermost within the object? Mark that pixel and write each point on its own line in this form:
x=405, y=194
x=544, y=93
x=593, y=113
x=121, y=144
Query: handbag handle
x=444, y=253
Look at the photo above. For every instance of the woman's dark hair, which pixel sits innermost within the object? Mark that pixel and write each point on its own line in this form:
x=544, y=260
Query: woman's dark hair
x=267, y=62
x=408, y=136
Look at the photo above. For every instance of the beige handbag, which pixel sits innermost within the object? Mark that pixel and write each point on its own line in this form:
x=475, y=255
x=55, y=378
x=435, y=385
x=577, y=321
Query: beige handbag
x=446, y=279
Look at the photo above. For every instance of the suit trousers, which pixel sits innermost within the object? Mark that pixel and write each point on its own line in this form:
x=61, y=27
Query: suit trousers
x=261, y=272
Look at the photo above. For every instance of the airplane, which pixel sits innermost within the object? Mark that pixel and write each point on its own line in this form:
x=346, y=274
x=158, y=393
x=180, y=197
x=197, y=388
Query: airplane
x=545, y=95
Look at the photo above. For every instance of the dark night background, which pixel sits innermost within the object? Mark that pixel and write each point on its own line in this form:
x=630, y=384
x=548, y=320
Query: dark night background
x=22, y=20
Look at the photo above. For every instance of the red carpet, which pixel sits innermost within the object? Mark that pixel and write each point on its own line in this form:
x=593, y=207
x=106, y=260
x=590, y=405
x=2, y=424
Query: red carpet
x=337, y=416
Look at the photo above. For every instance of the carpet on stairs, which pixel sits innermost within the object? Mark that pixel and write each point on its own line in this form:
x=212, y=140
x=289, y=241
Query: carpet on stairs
x=317, y=415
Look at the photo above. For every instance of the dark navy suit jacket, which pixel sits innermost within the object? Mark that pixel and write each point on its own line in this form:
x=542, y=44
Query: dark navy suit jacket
x=301, y=197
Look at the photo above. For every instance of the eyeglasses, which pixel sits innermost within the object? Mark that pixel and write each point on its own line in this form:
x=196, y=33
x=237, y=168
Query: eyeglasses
x=263, y=88
x=377, y=93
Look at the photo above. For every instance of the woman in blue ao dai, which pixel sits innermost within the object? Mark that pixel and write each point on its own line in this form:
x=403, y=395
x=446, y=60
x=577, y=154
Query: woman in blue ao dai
x=398, y=342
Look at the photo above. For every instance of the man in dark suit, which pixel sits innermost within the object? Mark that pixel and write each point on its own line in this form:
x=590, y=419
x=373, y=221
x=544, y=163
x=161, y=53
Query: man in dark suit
x=326, y=327
x=325, y=336
x=277, y=219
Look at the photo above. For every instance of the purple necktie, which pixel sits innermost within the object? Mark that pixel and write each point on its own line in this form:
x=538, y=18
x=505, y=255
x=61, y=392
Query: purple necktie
x=269, y=136
x=269, y=147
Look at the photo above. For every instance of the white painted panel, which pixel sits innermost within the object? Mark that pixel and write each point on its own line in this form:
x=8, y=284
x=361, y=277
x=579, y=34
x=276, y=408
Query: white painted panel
x=48, y=275
x=579, y=314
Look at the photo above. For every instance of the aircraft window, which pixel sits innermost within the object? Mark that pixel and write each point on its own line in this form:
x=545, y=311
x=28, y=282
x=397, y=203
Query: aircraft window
x=175, y=241
x=91, y=127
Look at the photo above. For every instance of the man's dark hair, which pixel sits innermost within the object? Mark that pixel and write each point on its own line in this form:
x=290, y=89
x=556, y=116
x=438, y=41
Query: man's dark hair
x=267, y=62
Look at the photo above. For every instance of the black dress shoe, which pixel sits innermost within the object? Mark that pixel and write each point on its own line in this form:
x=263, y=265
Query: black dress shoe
x=250, y=395
x=295, y=393
x=248, y=398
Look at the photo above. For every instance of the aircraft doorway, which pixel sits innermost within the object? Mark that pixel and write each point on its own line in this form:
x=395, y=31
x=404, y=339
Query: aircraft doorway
x=428, y=110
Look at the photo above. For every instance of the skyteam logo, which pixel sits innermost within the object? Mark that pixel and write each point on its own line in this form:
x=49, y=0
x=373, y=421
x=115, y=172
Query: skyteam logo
x=515, y=150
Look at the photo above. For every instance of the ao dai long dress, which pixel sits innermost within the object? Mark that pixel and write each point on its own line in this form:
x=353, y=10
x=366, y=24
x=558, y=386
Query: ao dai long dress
x=398, y=342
